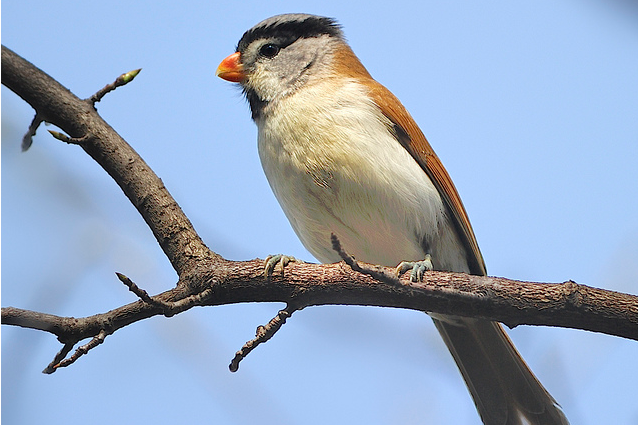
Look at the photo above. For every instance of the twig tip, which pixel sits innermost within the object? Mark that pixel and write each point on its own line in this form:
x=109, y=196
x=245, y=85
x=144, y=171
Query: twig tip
x=129, y=76
x=263, y=334
x=60, y=136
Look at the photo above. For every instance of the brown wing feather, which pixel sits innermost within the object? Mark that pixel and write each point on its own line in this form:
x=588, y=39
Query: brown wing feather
x=413, y=139
x=501, y=384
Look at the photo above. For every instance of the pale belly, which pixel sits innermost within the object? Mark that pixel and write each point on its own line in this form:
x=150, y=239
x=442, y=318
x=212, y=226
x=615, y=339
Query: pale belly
x=349, y=176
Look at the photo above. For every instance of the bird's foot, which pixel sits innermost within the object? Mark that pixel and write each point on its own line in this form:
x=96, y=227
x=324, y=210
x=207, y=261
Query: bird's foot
x=417, y=267
x=272, y=261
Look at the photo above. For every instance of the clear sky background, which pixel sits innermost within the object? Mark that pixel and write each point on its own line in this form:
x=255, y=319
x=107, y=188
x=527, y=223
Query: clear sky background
x=531, y=105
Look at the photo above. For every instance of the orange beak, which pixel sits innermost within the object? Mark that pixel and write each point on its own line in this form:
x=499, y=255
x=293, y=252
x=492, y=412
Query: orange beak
x=231, y=69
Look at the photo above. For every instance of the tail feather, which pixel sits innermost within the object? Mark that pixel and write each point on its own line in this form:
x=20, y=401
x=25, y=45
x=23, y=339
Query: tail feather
x=504, y=389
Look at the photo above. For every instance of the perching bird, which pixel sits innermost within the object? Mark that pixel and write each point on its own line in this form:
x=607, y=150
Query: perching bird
x=343, y=156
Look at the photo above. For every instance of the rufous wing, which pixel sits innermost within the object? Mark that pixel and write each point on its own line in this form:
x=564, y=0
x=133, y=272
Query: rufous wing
x=413, y=140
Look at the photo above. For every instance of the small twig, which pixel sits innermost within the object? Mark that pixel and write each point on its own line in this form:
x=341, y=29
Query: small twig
x=380, y=274
x=169, y=308
x=66, y=139
x=263, y=334
x=27, y=140
x=119, y=81
x=184, y=304
x=82, y=350
x=52, y=367
x=375, y=272
x=141, y=293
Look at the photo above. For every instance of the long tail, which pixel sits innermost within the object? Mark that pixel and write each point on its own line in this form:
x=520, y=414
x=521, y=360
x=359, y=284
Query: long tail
x=504, y=389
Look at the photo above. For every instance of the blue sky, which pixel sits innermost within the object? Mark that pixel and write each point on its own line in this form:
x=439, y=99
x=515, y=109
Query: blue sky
x=531, y=106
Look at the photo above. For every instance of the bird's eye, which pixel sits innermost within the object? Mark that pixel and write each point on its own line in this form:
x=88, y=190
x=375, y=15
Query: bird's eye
x=269, y=50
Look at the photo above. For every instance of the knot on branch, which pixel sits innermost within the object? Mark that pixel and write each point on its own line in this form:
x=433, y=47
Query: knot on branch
x=572, y=293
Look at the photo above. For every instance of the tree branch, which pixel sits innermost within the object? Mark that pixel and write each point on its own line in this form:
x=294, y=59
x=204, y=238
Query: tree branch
x=206, y=279
x=79, y=119
x=508, y=301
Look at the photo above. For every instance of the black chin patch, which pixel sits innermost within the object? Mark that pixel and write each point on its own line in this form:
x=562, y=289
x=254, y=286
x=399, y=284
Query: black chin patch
x=289, y=28
x=257, y=105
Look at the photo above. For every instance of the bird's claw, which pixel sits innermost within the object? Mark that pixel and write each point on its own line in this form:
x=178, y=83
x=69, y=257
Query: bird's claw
x=418, y=268
x=272, y=261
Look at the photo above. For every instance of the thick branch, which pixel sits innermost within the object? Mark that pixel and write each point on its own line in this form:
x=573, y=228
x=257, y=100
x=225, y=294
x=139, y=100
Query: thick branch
x=508, y=301
x=57, y=105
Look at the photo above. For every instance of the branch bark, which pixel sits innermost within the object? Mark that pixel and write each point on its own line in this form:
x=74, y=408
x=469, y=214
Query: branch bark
x=207, y=279
x=55, y=104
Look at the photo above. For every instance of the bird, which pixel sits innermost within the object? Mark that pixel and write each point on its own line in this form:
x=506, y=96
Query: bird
x=343, y=156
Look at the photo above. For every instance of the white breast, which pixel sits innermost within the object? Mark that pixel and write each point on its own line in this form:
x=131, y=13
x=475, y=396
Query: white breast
x=335, y=167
